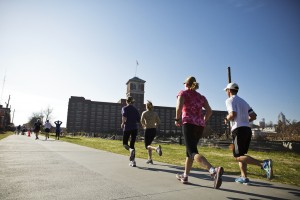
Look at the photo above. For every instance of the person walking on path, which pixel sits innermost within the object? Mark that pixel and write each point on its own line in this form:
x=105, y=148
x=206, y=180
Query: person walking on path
x=239, y=115
x=150, y=121
x=47, y=127
x=130, y=118
x=189, y=110
x=37, y=128
x=57, y=129
x=18, y=129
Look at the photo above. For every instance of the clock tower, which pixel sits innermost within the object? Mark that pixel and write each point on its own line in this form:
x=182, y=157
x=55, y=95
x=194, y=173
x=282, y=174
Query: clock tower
x=136, y=89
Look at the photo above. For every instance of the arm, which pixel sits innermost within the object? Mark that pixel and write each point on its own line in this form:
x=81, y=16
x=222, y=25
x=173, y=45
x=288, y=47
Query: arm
x=208, y=110
x=123, y=121
x=179, y=105
x=143, y=121
x=230, y=116
x=252, y=115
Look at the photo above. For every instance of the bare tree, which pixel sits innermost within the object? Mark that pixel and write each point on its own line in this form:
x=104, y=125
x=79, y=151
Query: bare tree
x=47, y=112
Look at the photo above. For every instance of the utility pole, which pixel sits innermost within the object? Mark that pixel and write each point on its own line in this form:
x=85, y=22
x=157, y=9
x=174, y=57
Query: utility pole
x=5, y=114
x=229, y=74
x=228, y=123
x=12, y=121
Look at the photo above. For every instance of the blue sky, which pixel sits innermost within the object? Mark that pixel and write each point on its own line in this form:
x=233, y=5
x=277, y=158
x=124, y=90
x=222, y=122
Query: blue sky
x=51, y=50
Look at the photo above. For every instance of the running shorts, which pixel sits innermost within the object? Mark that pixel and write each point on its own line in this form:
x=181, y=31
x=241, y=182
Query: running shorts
x=241, y=137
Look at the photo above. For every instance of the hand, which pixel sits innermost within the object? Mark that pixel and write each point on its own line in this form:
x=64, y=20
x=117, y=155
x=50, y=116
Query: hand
x=177, y=123
x=225, y=121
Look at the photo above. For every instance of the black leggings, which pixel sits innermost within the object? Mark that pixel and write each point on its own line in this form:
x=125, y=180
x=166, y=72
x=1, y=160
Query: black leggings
x=57, y=134
x=192, y=135
x=132, y=134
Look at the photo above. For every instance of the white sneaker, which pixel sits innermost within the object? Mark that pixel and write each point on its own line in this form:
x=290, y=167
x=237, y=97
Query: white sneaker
x=132, y=164
x=158, y=150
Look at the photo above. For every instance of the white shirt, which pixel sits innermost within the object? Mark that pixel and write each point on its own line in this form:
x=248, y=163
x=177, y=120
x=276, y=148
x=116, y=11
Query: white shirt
x=47, y=125
x=242, y=109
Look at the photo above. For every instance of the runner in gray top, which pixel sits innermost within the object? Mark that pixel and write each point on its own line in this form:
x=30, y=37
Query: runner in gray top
x=150, y=120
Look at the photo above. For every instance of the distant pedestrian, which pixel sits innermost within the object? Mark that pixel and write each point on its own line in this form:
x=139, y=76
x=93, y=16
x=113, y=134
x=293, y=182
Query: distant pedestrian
x=239, y=115
x=150, y=120
x=189, y=110
x=57, y=129
x=47, y=127
x=24, y=129
x=37, y=128
x=18, y=129
x=130, y=118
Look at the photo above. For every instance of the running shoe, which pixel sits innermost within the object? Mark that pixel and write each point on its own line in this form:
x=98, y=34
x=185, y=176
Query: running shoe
x=217, y=176
x=132, y=154
x=150, y=161
x=158, y=150
x=268, y=167
x=132, y=164
x=182, y=178
x=242, y=180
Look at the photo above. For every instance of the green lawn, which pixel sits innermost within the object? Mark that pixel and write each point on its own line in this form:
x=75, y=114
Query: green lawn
x=5, y=134
x=286, y=165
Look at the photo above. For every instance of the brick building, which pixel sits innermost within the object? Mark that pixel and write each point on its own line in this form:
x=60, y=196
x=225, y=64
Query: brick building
x=105, y=117
x=4, y=117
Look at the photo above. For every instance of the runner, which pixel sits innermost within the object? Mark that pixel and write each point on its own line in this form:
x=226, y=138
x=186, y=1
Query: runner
x=57, y=129
x=150, y=121
x=37, y=128
x=130, y=118
x=47, y=127
x=239, y=115
x=189, y=110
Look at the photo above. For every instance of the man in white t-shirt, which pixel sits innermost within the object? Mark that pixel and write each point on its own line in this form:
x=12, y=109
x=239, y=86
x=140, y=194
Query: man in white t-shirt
x=47, y=127
x=239, y=115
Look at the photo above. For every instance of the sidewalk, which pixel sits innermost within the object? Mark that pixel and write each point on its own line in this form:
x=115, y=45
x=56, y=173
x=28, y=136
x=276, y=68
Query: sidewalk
x=42, y=170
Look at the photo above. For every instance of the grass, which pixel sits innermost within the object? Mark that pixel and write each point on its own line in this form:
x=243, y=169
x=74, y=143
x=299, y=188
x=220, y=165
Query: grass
x=286, y=165
x=5, y=134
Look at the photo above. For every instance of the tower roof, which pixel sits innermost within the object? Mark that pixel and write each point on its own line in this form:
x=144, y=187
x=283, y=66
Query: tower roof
x=135, y=79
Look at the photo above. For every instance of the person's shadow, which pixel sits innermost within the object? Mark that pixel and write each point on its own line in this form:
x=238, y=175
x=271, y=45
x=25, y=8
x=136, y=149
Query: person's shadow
x=177, y=169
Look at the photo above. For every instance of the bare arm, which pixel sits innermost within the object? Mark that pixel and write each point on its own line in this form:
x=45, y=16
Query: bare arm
x=143, y=121
x=179, y=105
x=252, y=116
x=123, y=121
x=208, y=110
x=230, y=116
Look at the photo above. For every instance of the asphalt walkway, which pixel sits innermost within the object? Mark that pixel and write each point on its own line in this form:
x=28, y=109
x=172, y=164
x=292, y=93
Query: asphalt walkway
x=41, y=170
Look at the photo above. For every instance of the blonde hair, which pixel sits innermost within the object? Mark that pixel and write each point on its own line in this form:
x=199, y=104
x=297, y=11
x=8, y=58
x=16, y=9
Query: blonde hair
x=191, y=83
x=149, y=105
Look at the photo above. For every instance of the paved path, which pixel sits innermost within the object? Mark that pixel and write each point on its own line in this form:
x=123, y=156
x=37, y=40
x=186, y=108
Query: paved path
x=42, y=170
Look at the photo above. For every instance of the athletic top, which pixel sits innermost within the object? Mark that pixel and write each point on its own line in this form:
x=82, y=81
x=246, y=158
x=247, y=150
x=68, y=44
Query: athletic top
x=37, y=126
x=242, y=109
x=192, y=107
x=57, y=124
x=132, y=117
x=47, y=125
x=150, y=119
